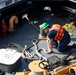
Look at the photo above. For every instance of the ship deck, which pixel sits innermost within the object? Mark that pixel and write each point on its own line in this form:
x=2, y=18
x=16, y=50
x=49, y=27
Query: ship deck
x=25, y=33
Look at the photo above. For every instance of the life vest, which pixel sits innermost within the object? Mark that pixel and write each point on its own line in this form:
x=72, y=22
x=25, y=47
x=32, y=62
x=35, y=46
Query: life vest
x=60, y=31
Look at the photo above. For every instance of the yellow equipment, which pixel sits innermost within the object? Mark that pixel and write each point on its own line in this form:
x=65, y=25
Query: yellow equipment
x=70, y=28
x=69, y=69
x=22, y=73
x=72, y=70
x=62, y=67
x=35, y=69
x=62, y=70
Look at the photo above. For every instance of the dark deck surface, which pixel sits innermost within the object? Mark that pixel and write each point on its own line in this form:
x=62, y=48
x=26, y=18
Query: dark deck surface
x=25, y=33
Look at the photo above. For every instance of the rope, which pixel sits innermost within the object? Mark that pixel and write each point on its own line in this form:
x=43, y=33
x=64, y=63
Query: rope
x=37, y=51
x=28, y=56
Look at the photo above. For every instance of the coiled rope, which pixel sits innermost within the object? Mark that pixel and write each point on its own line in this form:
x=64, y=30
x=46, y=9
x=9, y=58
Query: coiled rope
x=37, y=51
x=28, y=56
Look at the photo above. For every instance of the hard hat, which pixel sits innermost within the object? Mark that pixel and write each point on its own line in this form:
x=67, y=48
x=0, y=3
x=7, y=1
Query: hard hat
x=44, y=25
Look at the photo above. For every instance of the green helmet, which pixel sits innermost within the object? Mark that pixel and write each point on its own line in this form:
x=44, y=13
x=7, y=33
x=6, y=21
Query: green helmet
x=44, y=25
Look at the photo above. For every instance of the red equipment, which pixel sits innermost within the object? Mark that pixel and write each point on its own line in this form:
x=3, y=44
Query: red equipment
x=4, y=28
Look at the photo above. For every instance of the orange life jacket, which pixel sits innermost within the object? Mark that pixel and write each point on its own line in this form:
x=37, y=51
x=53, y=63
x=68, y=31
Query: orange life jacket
x=60, y=31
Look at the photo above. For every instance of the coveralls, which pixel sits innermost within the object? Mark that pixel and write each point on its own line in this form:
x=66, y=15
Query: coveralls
x=62, y=45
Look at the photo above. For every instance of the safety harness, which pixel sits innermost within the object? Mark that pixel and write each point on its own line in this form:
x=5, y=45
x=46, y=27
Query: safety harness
x=60, y=31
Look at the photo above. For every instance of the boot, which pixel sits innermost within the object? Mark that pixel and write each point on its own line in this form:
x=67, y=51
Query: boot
x=74, y=45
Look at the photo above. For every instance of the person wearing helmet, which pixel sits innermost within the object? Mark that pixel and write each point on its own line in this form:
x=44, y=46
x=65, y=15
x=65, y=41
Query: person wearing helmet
x=57, y=36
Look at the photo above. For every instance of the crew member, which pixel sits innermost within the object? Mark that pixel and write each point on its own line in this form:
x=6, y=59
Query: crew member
x=58, y=37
